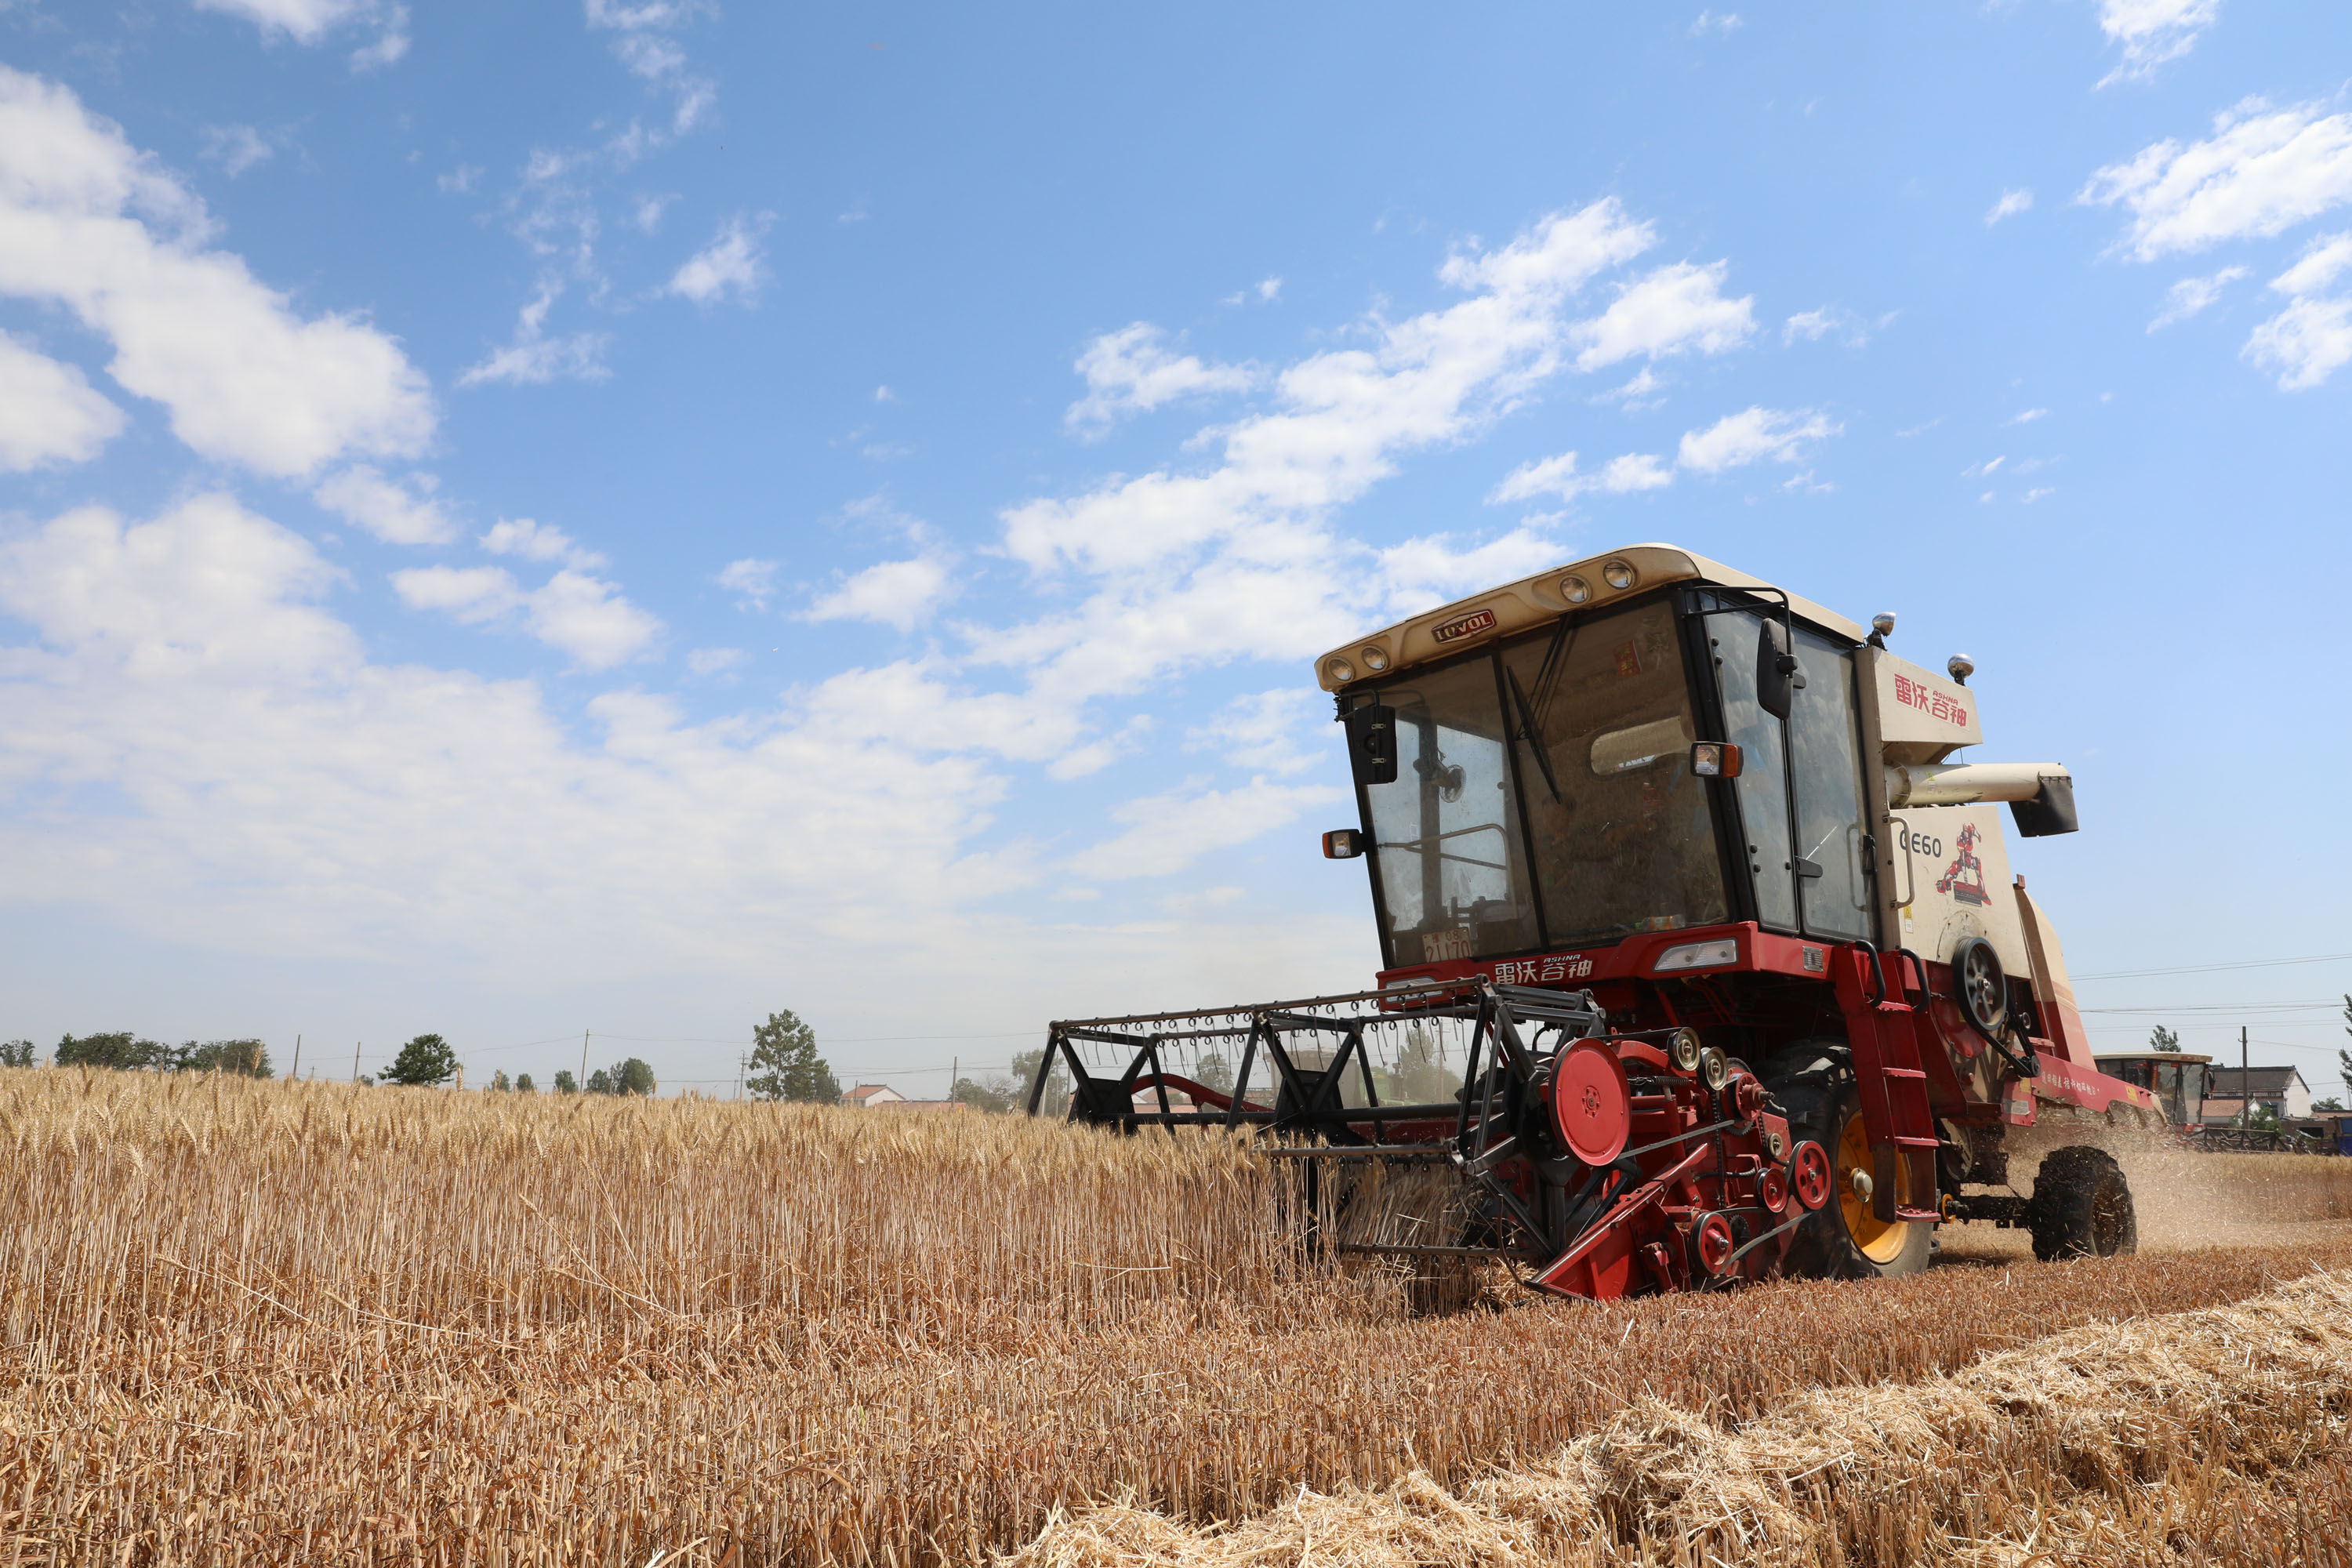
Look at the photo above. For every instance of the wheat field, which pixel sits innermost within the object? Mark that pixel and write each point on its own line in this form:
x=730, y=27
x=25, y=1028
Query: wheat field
x=303, y=1323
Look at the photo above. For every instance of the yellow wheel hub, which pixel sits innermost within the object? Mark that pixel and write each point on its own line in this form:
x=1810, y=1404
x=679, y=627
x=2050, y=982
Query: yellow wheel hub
x=1880, y=1241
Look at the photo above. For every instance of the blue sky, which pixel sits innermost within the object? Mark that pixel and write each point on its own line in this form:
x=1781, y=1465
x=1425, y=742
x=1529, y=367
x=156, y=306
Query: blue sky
x=631, y=515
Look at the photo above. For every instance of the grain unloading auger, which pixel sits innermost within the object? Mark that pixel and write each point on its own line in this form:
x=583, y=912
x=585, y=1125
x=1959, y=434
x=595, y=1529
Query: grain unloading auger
x=1702, y=957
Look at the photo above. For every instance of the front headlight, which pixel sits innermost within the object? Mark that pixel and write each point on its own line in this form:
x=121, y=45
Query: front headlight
x=1699, y=955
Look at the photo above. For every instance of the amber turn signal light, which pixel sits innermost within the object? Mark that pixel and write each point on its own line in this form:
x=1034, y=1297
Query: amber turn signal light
x=1714, y=760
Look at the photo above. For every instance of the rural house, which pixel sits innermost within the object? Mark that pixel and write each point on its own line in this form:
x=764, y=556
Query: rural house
x=2279, y=1090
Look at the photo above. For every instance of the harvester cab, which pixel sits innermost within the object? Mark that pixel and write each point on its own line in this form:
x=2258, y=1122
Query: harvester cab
x=1703, y=958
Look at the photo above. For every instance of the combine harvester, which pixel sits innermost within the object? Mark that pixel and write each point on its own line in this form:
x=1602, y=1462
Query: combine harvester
x=1703, y=961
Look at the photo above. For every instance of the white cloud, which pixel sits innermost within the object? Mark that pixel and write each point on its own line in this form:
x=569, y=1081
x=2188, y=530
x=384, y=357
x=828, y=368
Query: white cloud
x=1752, y=436
x=1815, y=325
x=538, y=542
x=709, y=661
x=1269, y=288
x=459, y=180
x=2192, y=295
x=388, y=509
x=390, y=48
x=2304, y=343
x=659, y=61
x=580, y=615
x=1990, y=466
x=2011, y=204
x=304, y=21
x=2261, y=173
x=751, y=581
x=1637, y=395
x=1261, y=731
x=2152, y=32
x=1557, y=476
x=1673, y=310
x=88, y=222
x=1130, y=372
x=48, y=410
x=2322, y=262
x=1710, y=22
x=534, y=359
x=2027, y=416
x=355, y=811
x=731, y=264
x=1166, y=833
x=898, y=593
x=473, y=595
x=237, y=148
x=2310, y=339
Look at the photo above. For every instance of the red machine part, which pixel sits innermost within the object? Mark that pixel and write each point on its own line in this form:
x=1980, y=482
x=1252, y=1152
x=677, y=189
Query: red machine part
x=1711, y=1202
x=1810, y=1175
x=1592, y=1103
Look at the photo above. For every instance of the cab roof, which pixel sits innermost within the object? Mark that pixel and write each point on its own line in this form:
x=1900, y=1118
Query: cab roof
x=1533, y=601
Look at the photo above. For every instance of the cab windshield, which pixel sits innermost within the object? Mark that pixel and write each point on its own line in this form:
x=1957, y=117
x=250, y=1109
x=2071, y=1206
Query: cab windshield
x=1587, y=726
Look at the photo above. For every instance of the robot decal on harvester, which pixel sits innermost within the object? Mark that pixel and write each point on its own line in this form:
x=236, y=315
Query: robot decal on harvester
x=1964, y=878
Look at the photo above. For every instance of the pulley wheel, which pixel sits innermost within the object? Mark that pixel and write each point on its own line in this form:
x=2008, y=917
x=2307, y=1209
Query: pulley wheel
x=1591, y=1103
x=1980, y=987
x=1810, y=1176
x=1714, y=1243
x=1772, y=1187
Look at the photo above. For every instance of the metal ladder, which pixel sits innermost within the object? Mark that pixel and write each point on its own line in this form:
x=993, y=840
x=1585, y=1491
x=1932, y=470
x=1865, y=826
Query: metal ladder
x=1884, y=1036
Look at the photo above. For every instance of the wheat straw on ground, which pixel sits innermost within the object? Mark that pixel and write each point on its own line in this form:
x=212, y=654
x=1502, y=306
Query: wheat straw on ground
x=249, y=1323
x=2081, y=1442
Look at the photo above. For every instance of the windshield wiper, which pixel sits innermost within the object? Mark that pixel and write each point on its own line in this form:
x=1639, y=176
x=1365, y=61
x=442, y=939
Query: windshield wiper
x=1528, y=733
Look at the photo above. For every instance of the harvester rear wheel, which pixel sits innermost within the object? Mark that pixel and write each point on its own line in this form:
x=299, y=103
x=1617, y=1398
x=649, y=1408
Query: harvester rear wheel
x=1843, y=1240
x=2081, y=1206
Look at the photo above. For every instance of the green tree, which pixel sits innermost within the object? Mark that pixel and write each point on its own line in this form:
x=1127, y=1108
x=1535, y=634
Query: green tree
x=422, y=1062
x=1421, y=1075
x=565, y=1083
x=15, y=1053
x=2330, y=1103
x=499, y=1083
x=1057, y=1082
x=524, y=1086
x=249, y=1058
x=632, y=1077
x=2164, y=1039
x=785, y=1064
x=995, y=1094
x=2343, y=1058
x=1214, y=1072
x=600, y=1082
x=119, y=1050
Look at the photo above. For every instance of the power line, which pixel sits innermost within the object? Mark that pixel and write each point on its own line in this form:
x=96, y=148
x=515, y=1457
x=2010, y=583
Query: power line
x=2209, y=968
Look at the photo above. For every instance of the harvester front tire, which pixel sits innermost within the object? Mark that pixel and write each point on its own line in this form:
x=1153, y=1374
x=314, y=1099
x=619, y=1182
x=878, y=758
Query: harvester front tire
x=1841, y=1239
x=2081, y=1206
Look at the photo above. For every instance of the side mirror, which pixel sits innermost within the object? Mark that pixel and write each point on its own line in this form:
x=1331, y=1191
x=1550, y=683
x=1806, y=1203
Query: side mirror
x=1343, y=844
x=1716, y=760
x=1779, y=677
x=1371, y=743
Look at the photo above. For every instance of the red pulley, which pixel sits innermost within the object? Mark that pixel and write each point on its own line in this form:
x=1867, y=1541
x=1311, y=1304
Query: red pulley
x=1714, y=1243
x=1772, y=1187
x=1808, y=1174
x=1591, y=1103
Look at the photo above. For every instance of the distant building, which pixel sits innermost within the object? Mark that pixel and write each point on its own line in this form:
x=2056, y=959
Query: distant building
x=870, y=1096
x=2280, y=1091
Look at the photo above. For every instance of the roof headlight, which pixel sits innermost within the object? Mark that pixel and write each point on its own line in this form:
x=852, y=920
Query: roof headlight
x=1340, y=671
x=1697, y=955
x=1620, y=574
x=1575, y=590
x=1375, y=659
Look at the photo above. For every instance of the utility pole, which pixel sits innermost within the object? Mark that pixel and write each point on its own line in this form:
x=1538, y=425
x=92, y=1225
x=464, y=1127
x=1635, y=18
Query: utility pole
x=955, y=1064
x=296, y=1069
x=2245, y=1076
x=355, y=1061
x=583, y=1061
